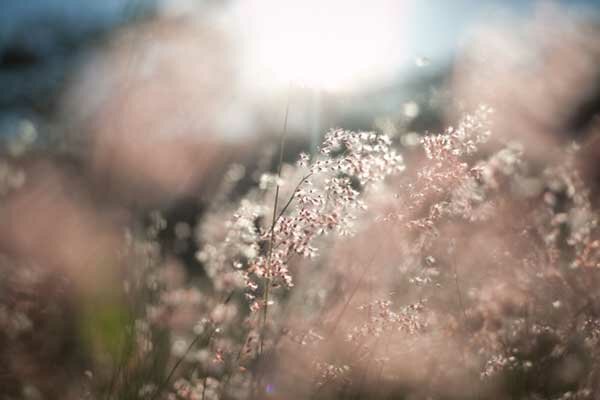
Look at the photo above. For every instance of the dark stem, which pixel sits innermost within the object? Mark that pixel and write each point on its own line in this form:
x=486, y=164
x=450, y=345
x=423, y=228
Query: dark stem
x=272, y=230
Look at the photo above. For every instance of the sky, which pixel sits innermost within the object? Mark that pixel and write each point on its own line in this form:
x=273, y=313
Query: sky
x=332, y=45
x=437, y=23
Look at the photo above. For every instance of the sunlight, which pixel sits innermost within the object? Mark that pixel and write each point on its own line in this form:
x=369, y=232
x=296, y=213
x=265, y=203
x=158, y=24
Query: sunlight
x=330, y=45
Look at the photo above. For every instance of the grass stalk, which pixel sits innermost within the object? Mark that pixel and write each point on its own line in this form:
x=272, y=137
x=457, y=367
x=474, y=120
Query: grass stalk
x=272, y=229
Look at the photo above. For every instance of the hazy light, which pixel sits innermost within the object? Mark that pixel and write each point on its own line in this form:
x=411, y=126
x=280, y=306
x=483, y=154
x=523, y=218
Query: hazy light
x=331, y=45
x=411, y=109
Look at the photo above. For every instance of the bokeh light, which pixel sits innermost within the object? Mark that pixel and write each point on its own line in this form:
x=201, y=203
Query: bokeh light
x=330, y=45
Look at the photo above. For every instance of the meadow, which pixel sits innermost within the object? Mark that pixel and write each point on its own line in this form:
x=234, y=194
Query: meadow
x=453, y=263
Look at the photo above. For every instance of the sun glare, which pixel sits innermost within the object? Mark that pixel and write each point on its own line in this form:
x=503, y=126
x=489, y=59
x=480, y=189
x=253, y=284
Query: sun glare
x=328, y=45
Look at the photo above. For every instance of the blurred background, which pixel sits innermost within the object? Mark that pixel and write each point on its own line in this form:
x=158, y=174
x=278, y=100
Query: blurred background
x=108, y=82
x=112, y=109
x=145, y=104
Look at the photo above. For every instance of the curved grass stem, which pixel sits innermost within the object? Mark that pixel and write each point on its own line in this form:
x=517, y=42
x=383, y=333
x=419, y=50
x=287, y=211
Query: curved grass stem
x=272, y=230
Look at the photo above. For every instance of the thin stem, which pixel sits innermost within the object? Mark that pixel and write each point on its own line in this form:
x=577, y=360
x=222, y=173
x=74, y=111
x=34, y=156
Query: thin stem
x=289, y=202
x=204, y=386
x=274, y=221
x=349, y=300
x=165, y=383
